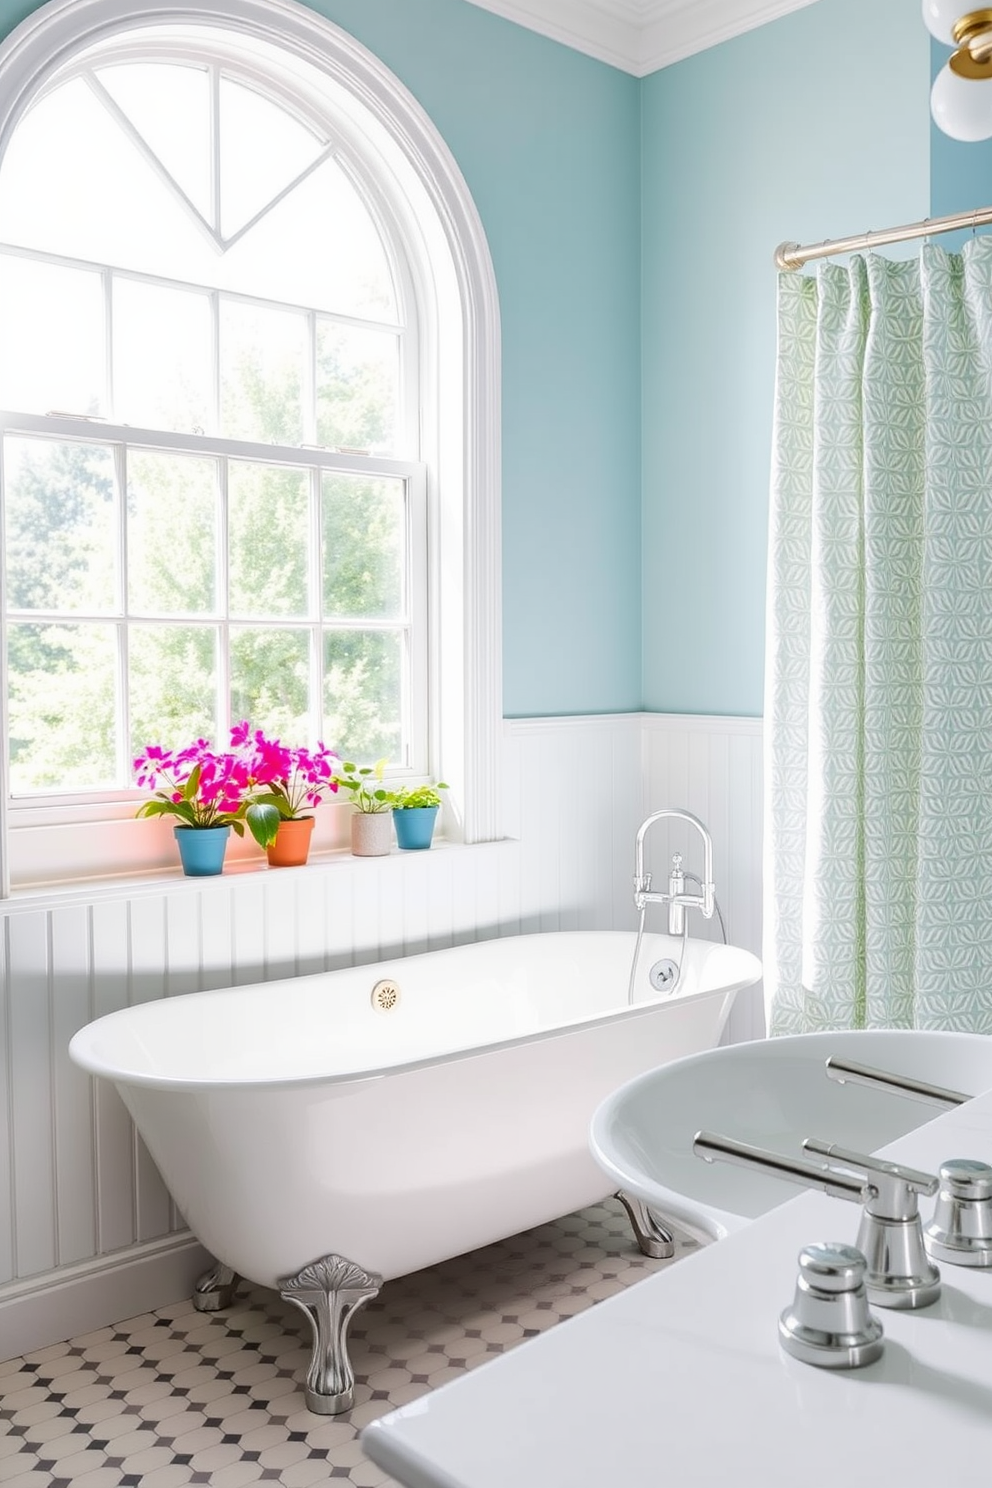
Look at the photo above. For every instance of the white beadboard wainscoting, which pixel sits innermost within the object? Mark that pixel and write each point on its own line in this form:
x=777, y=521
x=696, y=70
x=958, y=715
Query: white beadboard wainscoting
x=88, y=1233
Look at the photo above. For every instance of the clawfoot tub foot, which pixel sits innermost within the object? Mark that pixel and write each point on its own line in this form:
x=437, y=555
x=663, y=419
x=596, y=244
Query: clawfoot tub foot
x=329, y=1291
x=652, y=1238
x=215, y=1289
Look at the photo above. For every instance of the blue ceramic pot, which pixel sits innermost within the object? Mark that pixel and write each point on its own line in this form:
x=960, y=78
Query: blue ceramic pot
x=414, y=826
x=202, y=849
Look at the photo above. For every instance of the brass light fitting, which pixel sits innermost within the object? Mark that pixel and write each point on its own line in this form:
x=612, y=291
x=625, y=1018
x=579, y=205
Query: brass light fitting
x=960, y=109
x=973, y=38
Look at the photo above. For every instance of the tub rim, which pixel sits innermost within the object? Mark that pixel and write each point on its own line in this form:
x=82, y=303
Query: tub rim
x=85, y=1060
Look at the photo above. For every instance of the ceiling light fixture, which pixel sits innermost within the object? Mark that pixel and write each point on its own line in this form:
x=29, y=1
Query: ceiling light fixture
x=961, y=107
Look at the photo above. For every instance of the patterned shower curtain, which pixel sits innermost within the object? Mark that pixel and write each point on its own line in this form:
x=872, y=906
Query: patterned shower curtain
x=878, y=830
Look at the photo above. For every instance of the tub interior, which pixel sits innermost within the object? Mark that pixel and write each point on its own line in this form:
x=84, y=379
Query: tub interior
x=466, y=998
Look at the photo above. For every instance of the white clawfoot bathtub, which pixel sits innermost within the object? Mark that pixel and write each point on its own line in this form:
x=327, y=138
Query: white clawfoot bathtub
x=321, y=1138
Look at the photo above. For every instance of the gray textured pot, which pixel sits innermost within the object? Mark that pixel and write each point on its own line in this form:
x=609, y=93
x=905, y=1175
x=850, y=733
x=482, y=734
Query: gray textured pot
x=371, y=834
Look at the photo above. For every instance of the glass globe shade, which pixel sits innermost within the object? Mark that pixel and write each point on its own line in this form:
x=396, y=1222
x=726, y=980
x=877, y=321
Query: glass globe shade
x=939, y=17
x=962, y=107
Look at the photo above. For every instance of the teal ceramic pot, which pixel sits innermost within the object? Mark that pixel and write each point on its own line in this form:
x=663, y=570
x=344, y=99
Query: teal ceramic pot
x=202, y=849
x=414, y=826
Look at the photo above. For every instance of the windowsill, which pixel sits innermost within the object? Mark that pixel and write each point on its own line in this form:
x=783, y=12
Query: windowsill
x=170, y=881
x=73, y=857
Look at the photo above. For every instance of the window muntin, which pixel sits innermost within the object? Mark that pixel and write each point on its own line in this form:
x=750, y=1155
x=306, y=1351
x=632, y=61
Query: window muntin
x=232, y=569
x=320, y=240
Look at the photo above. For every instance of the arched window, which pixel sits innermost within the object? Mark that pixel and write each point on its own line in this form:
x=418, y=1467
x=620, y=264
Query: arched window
x=248, y=360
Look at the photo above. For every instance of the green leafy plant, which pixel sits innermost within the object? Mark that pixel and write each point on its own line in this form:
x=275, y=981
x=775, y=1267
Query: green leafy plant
x=411, y=798
x=364, y=786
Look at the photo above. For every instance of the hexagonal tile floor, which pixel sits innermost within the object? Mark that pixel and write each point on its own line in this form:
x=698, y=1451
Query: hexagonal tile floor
x=178, y=1396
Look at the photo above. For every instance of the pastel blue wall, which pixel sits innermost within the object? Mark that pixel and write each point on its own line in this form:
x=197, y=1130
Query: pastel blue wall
x=631, y=225
x=547, y=140
x=805, y=129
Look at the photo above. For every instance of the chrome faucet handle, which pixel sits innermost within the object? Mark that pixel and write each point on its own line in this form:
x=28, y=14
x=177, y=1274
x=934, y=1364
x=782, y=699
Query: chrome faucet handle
x=961, y=1228
x=829, y=1323
x=900, y=1274
x=886, y=1176
x=890, y=1236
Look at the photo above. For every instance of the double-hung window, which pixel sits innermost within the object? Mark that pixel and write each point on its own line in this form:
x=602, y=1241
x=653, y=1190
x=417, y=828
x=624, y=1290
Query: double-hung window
x=215, y=505
x=249, y=418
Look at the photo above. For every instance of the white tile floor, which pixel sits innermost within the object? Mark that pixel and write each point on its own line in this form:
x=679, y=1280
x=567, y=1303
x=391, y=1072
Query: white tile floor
x=177, y=1396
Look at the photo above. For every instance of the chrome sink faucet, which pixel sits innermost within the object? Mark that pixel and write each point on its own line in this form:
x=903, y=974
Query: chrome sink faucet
x=677, y=897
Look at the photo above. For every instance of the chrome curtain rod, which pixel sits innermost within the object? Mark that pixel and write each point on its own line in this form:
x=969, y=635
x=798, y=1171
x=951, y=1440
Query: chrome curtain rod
x=792, y=256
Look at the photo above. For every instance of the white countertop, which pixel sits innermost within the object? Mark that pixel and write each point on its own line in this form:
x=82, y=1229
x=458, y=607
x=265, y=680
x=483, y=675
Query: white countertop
x=680, y=1379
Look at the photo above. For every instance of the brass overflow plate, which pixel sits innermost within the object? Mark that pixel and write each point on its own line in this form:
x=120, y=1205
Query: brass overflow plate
x=385, y=995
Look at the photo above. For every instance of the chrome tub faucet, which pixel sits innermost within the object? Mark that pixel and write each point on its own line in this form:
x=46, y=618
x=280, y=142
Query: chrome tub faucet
x=678, y=897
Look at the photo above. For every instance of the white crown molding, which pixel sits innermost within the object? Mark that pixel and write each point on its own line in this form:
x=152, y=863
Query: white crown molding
x=640, y=36
x=674, y=29
x=609, y=30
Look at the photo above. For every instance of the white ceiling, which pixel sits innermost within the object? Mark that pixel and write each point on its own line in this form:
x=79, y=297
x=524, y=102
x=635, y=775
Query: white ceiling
x=640, y=36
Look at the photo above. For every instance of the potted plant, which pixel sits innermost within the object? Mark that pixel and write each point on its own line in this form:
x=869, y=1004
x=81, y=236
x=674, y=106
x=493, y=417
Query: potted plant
x=283, y=783
x=415, y=811
x=206, y=790
x=370, y=822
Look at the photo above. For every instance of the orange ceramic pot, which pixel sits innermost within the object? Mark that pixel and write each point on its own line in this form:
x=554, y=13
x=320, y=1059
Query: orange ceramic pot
x=292, y=844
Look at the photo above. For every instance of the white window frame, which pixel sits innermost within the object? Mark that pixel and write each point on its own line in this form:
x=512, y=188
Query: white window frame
x=458, y=313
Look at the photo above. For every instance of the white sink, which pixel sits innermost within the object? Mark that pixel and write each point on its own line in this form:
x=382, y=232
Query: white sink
x=770, y=1093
